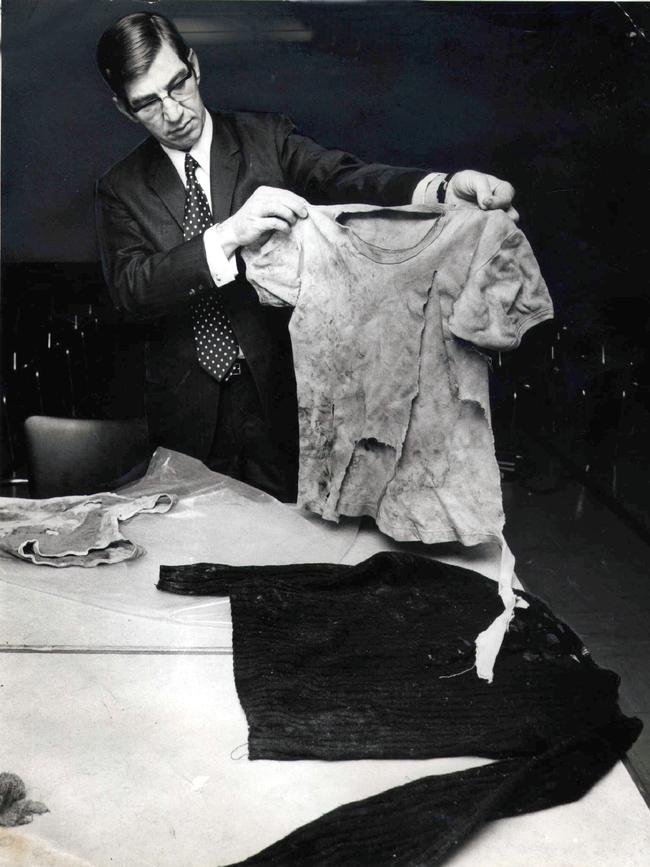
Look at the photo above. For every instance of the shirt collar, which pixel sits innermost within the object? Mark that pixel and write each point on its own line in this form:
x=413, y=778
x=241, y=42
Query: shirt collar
x=200, y=151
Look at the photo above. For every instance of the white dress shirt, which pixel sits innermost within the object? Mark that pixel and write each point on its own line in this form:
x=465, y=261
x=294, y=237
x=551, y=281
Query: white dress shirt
x=223, y=268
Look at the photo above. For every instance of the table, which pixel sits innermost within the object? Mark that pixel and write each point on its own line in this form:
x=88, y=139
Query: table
x=120, y=713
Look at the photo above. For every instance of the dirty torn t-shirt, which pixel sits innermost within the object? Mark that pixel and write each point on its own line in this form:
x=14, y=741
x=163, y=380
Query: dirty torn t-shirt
x=391, y=305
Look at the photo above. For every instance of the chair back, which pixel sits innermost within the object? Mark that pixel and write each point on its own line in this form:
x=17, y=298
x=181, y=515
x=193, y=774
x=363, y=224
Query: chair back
x=83, y=456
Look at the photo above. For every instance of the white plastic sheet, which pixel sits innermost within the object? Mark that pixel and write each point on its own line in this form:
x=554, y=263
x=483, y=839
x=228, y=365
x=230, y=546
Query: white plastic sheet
x=216, y=520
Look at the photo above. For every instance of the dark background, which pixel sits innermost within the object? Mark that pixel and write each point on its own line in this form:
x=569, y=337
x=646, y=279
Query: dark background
x=552, y=96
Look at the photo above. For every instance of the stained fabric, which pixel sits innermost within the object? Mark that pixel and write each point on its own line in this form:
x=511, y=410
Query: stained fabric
x=74, y=531
x=391, y=305
x=376, y=661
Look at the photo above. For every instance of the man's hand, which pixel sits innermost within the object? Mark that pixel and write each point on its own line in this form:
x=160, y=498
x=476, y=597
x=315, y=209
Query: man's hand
x=484, y=191
x=267, y=210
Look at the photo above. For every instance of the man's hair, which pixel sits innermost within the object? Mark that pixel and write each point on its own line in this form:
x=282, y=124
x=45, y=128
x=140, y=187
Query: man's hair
x=128, y=48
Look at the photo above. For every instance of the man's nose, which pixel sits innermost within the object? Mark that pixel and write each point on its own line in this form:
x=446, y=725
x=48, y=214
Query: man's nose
x=172, y=110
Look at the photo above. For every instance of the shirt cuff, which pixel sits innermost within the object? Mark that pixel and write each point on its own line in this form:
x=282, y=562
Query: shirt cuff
x=426, y=191
x=222, y=268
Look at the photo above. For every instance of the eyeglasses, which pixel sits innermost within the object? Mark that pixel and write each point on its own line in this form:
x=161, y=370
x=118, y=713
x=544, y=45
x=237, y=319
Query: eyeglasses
x=179, y=91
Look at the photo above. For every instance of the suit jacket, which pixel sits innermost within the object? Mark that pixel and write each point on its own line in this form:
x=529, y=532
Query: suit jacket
x=154, y=276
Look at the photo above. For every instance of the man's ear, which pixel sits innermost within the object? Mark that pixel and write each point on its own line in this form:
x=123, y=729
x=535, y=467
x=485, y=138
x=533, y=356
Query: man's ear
x=123, y=108
x=193, y=60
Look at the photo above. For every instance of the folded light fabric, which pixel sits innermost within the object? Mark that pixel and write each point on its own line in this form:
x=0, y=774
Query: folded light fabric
x=376, y=661
x=74, y=531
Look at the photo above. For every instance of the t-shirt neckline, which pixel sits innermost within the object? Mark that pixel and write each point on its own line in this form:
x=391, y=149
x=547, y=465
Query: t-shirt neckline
x=393, y=256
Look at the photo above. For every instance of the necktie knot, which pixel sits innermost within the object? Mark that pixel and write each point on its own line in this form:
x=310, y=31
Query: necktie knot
x=191, y=166
x=197, y=215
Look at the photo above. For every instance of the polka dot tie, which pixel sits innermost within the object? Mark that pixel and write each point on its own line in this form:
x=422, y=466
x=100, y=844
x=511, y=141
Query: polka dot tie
x=216, y=344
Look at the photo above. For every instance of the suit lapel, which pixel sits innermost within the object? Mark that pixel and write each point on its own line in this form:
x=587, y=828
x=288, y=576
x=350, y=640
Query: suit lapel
x=164, y=180
x=224, y=167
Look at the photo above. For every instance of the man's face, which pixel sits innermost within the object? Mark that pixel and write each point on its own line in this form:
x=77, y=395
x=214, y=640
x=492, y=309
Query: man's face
x=176, y=123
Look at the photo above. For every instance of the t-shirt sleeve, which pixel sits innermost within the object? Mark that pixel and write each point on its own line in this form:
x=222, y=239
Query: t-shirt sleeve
x=273, y=268
x=505, y=293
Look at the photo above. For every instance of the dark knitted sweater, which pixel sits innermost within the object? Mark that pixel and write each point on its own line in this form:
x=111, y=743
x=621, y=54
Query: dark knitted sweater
x=375, y=661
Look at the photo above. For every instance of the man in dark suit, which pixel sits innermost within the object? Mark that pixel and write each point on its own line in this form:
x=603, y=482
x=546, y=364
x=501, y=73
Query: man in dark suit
x=171, y=217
